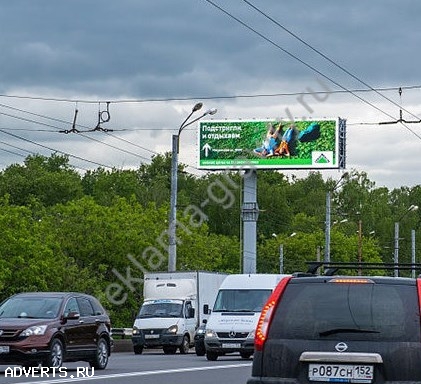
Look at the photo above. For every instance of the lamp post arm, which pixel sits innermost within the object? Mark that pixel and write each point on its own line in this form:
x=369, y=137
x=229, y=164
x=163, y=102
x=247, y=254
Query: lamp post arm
x=183, y=124
x=208, y=112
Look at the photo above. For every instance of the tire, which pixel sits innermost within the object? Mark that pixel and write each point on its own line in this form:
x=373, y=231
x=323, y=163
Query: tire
x=199, y=348
x=185, y=345
x=138, y=350
x=245, y=355
x=170, y=350
x=200, y=351
x=101, y=355
x=56, y=355
x=211, y=356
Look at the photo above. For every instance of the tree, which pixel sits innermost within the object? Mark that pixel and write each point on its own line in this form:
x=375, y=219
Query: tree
x=49, y=180
x=105, y=186
x=31, y=259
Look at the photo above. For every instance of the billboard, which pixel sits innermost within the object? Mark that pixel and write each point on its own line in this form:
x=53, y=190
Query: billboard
x=272, y=144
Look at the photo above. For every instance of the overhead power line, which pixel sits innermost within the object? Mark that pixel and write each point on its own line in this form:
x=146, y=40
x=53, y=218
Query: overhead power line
x=213, y=97
x=311, y=67
x=55, y=150
x=342, y=68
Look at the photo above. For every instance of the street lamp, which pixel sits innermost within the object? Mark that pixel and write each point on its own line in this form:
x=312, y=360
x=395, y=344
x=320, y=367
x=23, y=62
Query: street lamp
x=411, y=208
x=172, y=238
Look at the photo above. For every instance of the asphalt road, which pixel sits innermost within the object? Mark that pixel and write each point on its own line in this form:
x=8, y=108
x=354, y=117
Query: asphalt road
x=152, y=367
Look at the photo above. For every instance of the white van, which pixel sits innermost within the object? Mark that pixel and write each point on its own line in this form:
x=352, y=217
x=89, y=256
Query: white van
x=231, y=325
x=174, y=305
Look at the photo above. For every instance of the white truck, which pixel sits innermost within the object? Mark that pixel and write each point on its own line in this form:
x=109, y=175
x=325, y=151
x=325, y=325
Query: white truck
x=232, y=323
x=174, y=305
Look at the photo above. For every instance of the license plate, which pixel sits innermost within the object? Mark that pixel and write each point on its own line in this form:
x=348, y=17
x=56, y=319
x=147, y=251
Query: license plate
x=231, y=345
x=151, y=336
x=4, y=349
x=341, y=373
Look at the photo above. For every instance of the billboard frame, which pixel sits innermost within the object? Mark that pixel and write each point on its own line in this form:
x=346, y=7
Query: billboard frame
x=242, y=137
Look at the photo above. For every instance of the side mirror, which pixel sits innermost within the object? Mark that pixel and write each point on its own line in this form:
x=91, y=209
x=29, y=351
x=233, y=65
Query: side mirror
x=206, y=309
x=191, y=313
x=72, y=316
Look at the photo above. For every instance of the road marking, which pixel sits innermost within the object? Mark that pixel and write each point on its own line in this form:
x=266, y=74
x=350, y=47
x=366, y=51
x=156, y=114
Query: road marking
x=134, y=374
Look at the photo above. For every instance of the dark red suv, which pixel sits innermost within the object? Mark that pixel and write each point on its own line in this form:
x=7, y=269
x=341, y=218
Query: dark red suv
x=340, y=329
x=49, y=328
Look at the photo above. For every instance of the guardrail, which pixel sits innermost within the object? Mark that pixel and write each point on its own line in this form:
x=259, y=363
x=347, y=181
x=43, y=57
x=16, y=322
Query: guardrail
x=122, y=332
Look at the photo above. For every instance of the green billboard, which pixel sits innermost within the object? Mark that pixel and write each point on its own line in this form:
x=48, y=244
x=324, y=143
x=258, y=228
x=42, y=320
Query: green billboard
x=276, y=144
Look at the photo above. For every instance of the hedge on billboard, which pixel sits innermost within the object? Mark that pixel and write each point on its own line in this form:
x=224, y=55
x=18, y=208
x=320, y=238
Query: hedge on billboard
x=306, y=144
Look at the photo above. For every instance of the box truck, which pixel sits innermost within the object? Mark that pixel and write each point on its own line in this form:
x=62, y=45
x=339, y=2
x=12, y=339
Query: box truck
x=174, y=305
x=231, y=325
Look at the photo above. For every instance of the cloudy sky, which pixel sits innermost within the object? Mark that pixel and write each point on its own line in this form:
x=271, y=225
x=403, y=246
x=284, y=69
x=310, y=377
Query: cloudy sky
x=251, y=59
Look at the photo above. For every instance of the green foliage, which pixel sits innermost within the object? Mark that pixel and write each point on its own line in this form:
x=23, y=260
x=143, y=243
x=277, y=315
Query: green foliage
x=49, y=180
x=102, y=231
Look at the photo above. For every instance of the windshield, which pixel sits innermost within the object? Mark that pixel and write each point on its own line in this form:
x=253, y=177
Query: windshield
x=31, y=307
x=358, y=311
x=160, y=309
x=241, y=300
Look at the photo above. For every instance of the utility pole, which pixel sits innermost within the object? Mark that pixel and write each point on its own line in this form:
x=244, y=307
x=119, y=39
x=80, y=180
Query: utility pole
x=327, y=229
x=413, y=253
x=360, y=245
x=411, y=208
x=396, y=251
x=327, y=220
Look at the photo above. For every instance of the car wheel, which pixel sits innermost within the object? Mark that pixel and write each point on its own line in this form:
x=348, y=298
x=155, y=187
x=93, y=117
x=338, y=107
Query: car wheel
x=101, y=355
x=211, y=356
x=137, y=350
x=199, y=348
x=245, y=355
x=56, y=355
x=185, y=345
x=170, y=350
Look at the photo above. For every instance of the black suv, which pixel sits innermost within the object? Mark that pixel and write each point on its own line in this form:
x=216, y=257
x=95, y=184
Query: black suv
x=348, y=329
x=49, y=328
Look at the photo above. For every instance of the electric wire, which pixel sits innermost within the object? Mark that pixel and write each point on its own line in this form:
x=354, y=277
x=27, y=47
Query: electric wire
x=55, y=150
x=215, y=97
x=270, y=41
x=16, y=147
x=80, y=133
x=113, y=146
x=129, y=142
x=61, y=121
x=342, y=68
x=12, y=152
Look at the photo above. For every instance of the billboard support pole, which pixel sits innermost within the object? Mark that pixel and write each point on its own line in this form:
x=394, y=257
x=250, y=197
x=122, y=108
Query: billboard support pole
x=250, y=214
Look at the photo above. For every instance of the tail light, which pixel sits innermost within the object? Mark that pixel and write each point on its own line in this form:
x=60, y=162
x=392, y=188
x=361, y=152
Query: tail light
x=419, y=292
x=266, y=314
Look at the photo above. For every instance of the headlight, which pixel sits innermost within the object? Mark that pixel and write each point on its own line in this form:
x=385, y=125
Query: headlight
x=135, y=331
x=173, y=329
x=36, y=330
x=210, y=333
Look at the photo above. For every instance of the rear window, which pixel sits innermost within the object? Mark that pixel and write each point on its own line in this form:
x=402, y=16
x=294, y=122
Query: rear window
x=326, y=310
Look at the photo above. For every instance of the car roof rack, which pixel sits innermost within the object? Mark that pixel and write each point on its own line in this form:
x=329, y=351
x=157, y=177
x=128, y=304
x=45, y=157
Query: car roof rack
x=333, y=267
